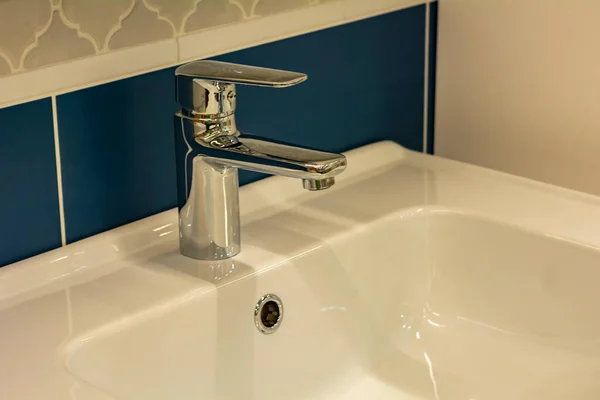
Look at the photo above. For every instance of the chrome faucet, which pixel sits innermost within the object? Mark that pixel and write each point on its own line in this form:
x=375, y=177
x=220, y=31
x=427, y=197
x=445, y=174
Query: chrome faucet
x=210, y=149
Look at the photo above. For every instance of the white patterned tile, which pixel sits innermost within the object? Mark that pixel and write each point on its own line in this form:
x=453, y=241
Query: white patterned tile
x=4, y=66
x=176, y=12
x=247, y=6
x=47, y=52
x=97, y=19
x=148, y=37
x=141, y=26
x=20, y=22
x=256, y=31
x=266, y=7
x=211, y=13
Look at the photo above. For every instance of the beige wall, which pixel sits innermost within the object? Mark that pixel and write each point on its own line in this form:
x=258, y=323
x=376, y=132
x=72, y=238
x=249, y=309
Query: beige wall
x=519, y=88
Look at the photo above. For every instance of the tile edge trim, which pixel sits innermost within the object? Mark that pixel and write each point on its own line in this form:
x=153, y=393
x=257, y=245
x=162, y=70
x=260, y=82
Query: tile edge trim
x=79, y=74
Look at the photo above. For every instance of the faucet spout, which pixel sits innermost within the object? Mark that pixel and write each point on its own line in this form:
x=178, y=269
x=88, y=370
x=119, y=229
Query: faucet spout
x=275, y=158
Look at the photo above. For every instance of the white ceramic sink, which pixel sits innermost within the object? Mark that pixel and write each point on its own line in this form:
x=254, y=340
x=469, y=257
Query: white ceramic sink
x=413, y=278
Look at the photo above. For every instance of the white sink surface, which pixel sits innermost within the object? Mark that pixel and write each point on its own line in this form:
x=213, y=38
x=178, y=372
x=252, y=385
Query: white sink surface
x=413, y=278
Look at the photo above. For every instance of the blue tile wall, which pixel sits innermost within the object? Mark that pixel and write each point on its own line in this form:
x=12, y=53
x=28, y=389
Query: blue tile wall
x=117, y=152
x=366, y=84
x=29, y=197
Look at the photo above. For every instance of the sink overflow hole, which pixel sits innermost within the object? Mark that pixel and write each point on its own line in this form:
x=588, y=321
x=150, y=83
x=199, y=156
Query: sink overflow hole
x=268, y=313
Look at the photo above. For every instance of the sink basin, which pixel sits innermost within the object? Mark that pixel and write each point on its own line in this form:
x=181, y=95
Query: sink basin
x=426, y=303
x=414, y=277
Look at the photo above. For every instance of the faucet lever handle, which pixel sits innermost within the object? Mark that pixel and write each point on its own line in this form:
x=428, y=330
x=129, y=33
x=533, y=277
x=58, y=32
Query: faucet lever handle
x=218, y=71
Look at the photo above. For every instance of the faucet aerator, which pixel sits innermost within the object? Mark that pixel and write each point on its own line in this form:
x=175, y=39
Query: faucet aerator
x=318, y=184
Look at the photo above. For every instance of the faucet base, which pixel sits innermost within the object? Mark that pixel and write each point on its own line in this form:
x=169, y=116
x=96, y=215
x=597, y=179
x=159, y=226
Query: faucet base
x=209, y=221
x=213, y=252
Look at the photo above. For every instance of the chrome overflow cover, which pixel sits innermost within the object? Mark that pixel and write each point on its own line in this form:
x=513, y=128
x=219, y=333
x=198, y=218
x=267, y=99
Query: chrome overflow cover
x=268, y=313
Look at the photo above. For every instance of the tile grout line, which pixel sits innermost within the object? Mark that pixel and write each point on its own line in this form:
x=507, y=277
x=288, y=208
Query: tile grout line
x=61, y=207
x=426, y=98
x=426, y=74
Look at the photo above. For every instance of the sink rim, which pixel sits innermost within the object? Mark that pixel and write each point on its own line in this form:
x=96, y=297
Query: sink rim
x=532, y=206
